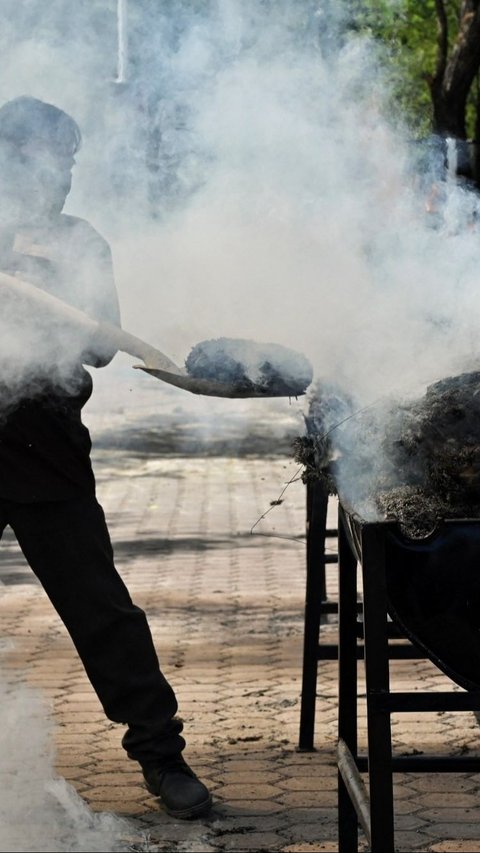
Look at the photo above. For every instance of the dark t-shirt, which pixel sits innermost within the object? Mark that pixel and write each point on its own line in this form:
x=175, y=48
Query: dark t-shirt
x=44, y=446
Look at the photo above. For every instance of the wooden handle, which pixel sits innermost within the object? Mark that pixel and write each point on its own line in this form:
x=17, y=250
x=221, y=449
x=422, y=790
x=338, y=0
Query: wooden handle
x=113, y=335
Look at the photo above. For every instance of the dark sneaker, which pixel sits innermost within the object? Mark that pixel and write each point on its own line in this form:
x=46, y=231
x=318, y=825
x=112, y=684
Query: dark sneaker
x=181, y=792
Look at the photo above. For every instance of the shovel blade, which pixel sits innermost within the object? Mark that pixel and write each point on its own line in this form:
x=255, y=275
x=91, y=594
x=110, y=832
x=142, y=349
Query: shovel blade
x=209, y=387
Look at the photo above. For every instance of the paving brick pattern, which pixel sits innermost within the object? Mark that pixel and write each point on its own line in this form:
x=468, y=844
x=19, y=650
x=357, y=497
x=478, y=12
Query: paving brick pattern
x=226, y=611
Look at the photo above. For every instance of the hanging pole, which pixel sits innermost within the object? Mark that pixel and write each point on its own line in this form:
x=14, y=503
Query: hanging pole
x=122, y=41
x=452, y=159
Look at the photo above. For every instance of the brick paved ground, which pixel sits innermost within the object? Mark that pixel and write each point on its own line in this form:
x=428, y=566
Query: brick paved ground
x=226, y=610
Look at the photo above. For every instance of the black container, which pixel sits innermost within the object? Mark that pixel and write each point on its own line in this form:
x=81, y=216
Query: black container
x=433, y=591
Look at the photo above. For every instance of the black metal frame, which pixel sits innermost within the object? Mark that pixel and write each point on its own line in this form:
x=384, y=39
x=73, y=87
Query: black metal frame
x=317, y=604
x=364, y=542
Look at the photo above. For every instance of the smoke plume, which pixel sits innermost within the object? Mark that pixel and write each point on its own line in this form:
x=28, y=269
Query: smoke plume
x=39, y=811
x=251, y=185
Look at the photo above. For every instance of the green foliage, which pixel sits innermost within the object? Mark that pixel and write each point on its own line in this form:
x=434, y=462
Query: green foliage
x=408, y=30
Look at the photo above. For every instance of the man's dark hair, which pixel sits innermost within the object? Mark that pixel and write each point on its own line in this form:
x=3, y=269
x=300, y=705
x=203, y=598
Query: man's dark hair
x=27, y=120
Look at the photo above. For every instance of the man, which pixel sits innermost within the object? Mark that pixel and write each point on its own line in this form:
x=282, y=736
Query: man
x=47, y=487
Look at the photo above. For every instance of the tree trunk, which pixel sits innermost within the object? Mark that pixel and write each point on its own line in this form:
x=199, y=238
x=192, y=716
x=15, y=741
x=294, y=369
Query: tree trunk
x=454, y=75
x=476, y=137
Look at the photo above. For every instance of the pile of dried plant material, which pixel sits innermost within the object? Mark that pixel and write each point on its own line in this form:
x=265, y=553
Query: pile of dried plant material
x=434, y=443
x=316, y=450
x=248, y=366
x=428, y=462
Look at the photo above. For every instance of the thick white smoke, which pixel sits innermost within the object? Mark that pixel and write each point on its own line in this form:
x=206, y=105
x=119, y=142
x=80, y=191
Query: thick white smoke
x=39, y=811
x=295, y=214
x=251, y=184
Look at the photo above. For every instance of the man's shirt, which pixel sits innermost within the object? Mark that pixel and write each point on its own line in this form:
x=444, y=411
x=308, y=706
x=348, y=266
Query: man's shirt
x=44, y=446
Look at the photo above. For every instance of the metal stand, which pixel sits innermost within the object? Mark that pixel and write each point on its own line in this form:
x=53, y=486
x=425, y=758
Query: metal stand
x=316, y=605
x=374, y=811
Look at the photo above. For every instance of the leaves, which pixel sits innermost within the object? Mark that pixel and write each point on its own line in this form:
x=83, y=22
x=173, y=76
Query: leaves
x=409, y=29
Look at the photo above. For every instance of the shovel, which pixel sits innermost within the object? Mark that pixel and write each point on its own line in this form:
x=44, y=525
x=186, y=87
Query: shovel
x=155, y=362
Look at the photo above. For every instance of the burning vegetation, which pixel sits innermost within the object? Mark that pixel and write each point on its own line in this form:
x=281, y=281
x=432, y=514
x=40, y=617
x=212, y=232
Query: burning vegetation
x=428, y=461
x=248, y=366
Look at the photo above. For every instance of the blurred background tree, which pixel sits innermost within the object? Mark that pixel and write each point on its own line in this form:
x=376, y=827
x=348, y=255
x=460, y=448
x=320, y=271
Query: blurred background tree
x=433, y=61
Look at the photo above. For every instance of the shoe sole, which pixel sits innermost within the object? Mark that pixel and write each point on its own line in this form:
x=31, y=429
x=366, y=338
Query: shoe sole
x=195, y=811
x=184, y=814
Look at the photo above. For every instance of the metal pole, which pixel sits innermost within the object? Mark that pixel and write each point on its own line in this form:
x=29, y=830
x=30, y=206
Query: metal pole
x=347, y=682
x=354, y=785
x=122, y=41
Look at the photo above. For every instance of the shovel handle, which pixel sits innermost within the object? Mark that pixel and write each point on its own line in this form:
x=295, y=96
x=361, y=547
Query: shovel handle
x=112, y=335
x=120, y=339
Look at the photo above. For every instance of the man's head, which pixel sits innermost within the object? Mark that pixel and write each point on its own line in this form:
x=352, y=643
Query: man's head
x=38, y=143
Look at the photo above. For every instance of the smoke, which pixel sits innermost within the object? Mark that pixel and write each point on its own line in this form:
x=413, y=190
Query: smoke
x=251, y=185
x=243, y=161
x=287, y=206
x=39, y=811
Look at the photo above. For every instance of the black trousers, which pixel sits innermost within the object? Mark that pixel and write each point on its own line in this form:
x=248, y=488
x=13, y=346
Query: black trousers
x=68, y=546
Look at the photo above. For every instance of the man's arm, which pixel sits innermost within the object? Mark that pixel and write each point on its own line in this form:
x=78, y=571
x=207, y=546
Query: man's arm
x=95, y=286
